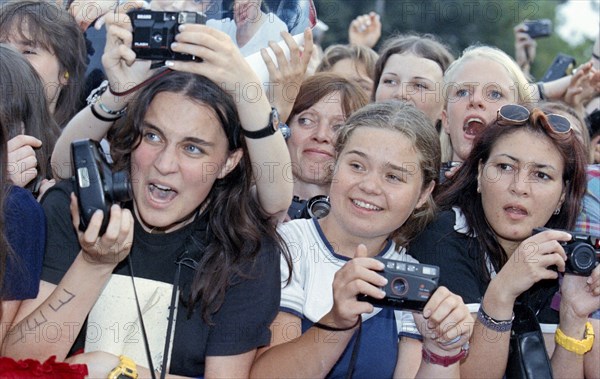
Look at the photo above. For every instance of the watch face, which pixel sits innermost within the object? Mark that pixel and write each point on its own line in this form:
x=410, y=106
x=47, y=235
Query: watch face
x=275, y=119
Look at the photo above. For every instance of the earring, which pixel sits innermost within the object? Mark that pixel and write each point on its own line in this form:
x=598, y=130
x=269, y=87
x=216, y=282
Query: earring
x=557, y=211
x=67, y=75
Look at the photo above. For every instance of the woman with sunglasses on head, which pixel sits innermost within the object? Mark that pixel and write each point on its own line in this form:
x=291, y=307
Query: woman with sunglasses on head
x=525, y=171
x=387, y=162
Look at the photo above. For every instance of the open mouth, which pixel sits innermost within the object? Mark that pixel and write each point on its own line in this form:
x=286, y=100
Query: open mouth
x=473, y=126
x=161, y=193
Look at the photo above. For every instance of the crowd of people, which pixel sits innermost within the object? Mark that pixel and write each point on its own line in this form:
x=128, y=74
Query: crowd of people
x=283, y=230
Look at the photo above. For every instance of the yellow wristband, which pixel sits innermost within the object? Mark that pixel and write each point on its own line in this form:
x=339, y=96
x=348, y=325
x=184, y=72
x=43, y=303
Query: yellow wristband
x=573, y=345
x=125, y=370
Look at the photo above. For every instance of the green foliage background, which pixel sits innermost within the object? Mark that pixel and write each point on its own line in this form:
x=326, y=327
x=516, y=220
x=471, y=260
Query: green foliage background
x=458, y=23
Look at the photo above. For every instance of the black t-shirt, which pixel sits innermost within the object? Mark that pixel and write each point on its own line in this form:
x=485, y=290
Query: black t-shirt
x=241, y=323
x=461, y=269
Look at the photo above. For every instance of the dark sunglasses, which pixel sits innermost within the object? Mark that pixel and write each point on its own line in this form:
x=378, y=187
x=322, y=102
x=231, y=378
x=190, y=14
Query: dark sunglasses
x=515, y=114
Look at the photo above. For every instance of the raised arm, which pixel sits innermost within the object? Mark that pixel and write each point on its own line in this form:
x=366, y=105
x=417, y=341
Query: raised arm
x=223, y=63
x=123, y=72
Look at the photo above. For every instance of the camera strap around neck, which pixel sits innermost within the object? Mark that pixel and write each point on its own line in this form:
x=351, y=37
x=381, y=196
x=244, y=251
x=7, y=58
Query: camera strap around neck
x=143, y=328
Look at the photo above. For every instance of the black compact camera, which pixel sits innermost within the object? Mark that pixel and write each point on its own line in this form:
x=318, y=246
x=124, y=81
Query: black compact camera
x=154, y=32
x=562, y=65
x=410, y=285
x=539, y=28
x=445, y=167
x=317, y=206
x=583, y=255
x=96, y=185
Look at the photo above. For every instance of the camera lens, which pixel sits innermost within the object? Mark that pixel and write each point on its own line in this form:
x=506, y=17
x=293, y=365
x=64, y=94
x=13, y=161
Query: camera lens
x=157, y=38
x=121, y=187
x=399, y=286
x=318, y=206
x=583, y=257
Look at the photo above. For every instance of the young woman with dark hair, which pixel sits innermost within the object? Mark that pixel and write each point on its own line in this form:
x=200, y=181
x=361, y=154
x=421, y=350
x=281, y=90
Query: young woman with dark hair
x=51, y=41
x=22, y=242
x=31, y=131
x=183, y=143
x=526, y=170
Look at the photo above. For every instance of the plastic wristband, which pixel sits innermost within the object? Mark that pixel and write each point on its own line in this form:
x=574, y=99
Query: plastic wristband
x=573, y=345
x=493, y=324
x=334, y=329
x=444, y=360
x=100, y=117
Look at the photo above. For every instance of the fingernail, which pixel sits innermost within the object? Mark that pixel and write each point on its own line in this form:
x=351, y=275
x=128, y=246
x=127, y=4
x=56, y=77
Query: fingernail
x=174, y=45
x=181, y=27
x=169, y=63
x=430, y=324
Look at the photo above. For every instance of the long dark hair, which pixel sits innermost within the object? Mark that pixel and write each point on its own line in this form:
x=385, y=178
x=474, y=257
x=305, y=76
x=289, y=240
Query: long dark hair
x=24, y=109
x=461, y=190
x=5, y=249
x=237, y=224
x=54, y=29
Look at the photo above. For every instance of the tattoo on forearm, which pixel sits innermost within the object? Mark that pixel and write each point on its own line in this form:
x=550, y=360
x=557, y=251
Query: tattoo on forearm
x=60, y=302
x=34, y=322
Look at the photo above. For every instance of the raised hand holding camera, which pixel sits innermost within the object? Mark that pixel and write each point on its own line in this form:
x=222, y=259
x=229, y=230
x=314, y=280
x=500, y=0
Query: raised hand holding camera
x=409, y=285
x=105, y=231
x=97, y=187
x=358, y=276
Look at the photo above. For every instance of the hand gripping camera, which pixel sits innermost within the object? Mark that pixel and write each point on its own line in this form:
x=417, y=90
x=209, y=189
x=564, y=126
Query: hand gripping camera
x=582, y=254
x=410, y=285
x=154, y=32
x=96, y=186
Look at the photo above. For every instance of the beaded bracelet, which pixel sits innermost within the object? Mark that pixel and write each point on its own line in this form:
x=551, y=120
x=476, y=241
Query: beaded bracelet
x=493, y=324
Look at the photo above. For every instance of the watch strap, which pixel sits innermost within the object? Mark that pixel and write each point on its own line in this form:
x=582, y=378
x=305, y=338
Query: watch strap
x=270, y=129
x=126, y=369
x=573, y=345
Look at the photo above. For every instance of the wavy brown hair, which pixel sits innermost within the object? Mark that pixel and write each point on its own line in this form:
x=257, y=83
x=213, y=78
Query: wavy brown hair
x=237, y=225
x=461, y=190
x=401, y=117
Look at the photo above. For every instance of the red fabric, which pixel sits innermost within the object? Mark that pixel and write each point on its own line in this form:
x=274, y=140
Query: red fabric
x=50, y=369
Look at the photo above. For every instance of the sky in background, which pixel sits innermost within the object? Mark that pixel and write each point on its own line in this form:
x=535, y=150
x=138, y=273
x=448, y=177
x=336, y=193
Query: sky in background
x=578, y=18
